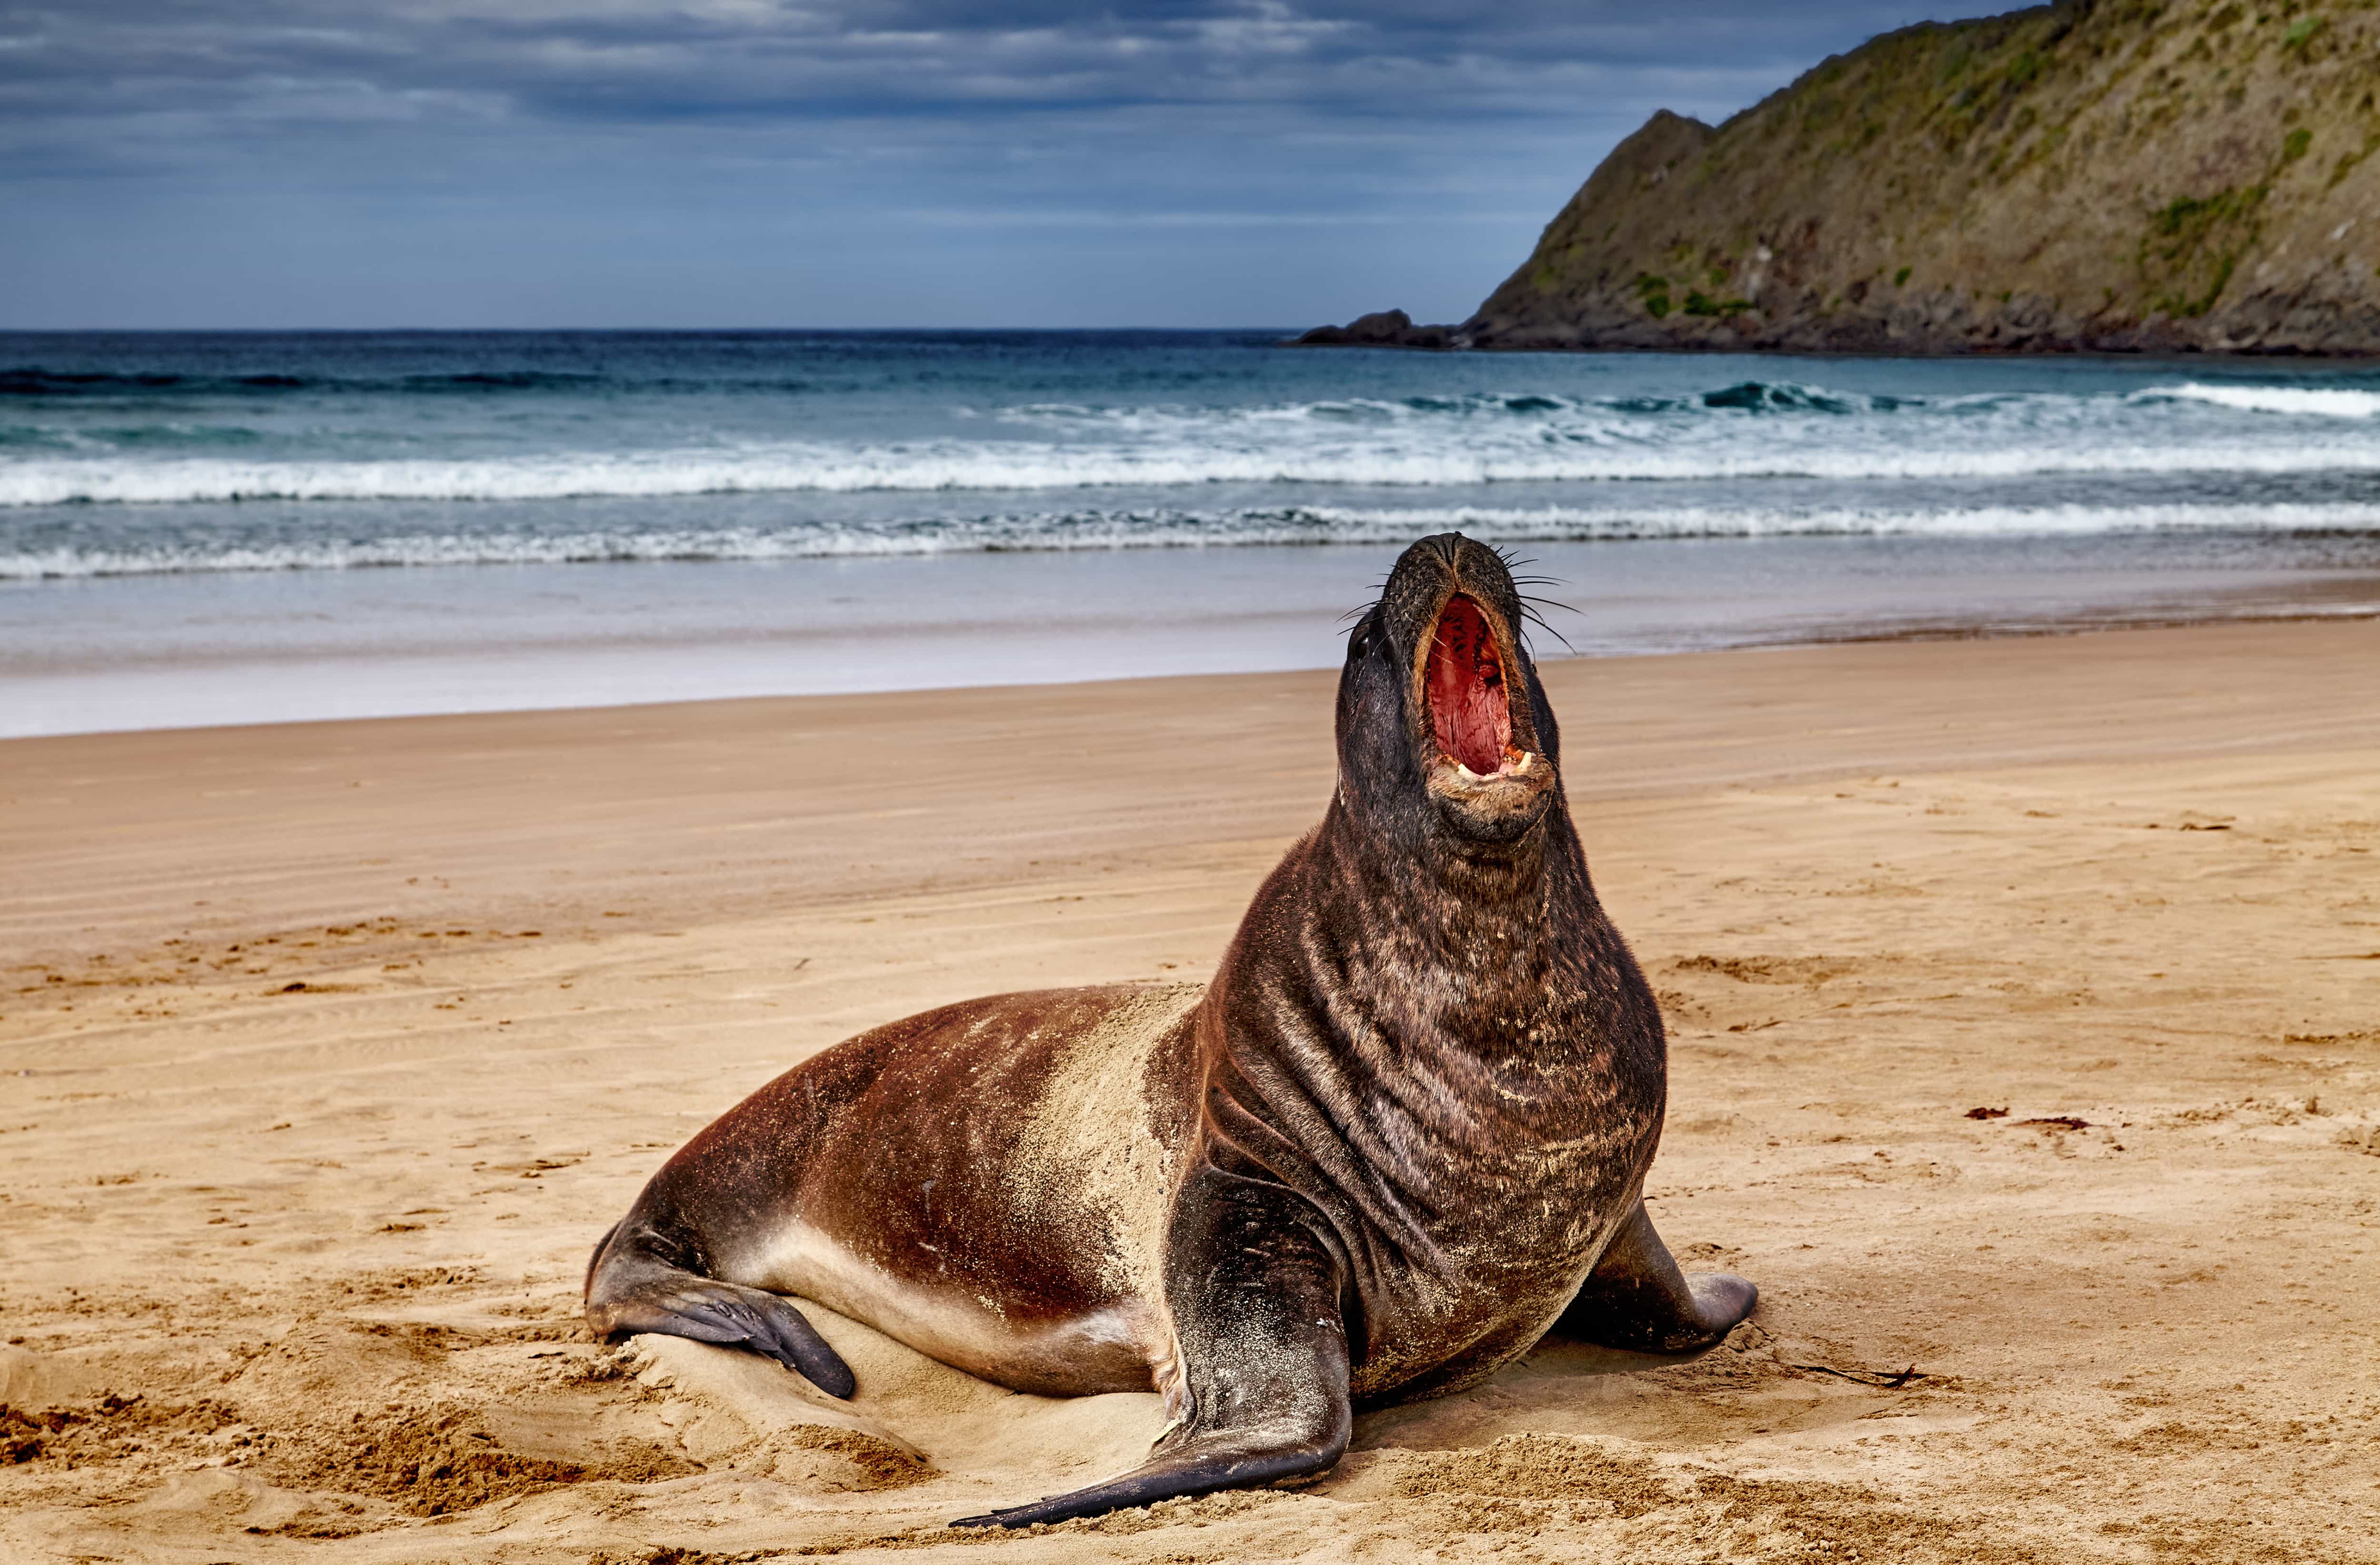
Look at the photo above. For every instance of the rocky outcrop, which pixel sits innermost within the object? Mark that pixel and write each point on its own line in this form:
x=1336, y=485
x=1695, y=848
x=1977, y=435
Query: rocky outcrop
x=2097, y=175
x=1384, y=328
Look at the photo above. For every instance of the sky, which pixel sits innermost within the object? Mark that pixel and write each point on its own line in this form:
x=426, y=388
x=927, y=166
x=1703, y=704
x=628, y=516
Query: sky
x=241, y=164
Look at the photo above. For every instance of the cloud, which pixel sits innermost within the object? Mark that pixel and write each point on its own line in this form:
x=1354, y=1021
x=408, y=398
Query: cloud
x=715, y=115
x=148, y=67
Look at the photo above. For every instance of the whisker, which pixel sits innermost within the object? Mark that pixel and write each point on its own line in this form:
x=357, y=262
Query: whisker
x=1538, y=620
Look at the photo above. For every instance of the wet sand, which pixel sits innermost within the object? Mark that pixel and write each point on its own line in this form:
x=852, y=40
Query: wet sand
x=330, y=1049
x=201, y=648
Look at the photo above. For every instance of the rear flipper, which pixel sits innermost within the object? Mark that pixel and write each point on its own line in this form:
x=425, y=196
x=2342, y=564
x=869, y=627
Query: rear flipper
x=635, y=1283
x=1254, y=1294
x=1637, y=1299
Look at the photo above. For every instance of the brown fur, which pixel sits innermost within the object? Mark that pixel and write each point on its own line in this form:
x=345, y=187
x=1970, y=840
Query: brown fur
x=1402, y=1132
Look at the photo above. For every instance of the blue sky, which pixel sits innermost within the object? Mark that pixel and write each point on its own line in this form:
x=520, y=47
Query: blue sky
x=828, y=162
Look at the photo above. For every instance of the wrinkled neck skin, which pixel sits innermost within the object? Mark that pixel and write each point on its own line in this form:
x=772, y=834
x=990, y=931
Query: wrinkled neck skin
x=1509, y=906
x=1473, y=926
x=1440, y=1040
x=1459, y=970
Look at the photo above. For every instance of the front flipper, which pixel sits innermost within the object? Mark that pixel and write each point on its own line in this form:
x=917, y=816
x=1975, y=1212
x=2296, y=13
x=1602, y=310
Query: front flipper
x=1637, y=1299
x=1254, y=1294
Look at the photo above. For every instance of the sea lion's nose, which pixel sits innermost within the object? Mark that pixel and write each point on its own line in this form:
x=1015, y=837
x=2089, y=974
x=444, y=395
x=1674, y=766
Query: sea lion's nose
x=1466, y=560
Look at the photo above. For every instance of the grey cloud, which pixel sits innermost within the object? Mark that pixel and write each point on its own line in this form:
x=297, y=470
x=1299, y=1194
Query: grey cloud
x=294, y=61
x=203, y=152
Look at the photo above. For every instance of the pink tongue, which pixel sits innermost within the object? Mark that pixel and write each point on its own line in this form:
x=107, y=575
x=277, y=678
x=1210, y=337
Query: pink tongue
x=1465, y=685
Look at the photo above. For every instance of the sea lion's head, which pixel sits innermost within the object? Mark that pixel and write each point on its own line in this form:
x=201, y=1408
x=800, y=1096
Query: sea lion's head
x=1444, y=733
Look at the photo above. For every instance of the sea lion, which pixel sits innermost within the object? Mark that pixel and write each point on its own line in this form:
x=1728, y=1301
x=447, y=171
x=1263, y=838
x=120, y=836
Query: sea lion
x=1400, y=1136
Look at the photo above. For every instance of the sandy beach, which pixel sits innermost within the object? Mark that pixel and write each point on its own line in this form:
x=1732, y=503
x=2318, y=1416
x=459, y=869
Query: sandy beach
x=2024, y=1001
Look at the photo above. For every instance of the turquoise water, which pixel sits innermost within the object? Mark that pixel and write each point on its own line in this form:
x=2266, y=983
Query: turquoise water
x=219, y=527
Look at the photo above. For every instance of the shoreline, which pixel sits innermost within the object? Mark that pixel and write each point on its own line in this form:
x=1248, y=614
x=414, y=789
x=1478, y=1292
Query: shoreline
x=164, y=652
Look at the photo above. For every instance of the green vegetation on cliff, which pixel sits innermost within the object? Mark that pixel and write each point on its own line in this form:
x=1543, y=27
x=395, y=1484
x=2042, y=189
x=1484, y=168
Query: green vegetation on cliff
x=2120, y=175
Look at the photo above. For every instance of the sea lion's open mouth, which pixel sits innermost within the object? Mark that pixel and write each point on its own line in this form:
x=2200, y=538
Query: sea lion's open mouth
x=1464, y=682
x=1477, y=727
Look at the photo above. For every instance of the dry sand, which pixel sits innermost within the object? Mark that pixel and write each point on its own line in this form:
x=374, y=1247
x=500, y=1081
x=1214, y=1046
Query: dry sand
x=330, y=1049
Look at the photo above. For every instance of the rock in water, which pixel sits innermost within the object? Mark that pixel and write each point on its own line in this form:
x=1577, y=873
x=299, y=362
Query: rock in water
x=1382, y=328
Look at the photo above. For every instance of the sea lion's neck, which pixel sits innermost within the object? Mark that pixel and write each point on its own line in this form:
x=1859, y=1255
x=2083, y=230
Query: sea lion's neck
x=1456, y=946
x=1519, y=893
x=1432, y=1046
x=1466, y=1004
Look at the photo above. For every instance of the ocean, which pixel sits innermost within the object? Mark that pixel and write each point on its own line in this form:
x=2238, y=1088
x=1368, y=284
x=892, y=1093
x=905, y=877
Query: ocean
x=200, y=529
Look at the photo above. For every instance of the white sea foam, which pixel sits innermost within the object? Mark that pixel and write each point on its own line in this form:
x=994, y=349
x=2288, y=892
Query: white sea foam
x=2302, y=400
x=927, y=467
x=1173, y=529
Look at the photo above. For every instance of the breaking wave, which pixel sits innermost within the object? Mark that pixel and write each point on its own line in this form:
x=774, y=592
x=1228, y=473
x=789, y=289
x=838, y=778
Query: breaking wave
x=2303, y=401
x=1148, y=530
x=1574, y=457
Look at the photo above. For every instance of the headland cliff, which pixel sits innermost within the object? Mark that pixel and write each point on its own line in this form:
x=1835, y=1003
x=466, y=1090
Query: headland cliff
x=2096, y=176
